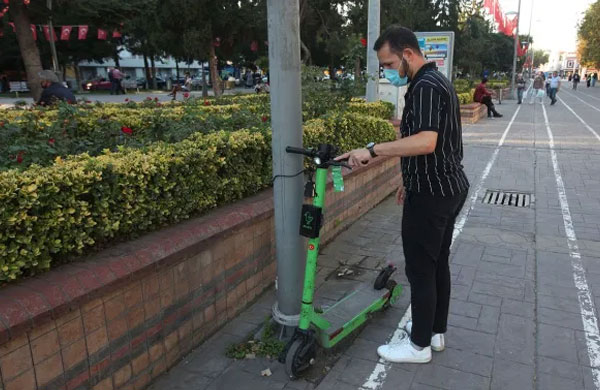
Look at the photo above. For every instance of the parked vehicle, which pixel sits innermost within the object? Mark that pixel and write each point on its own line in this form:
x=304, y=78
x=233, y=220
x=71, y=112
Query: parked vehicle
x=160, y=83
x=97, y=84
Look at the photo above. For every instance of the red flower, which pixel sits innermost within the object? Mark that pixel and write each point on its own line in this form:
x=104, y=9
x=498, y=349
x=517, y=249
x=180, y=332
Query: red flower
x=126, y=100
x=20, y=157
x=156, y=99
x=363, y=42
x=264, y=118
x=158, y=104
x=51, y=141
x=186, y=95
x=206, y=103
x=1, y=124
x=148, y=98
x=127, y=130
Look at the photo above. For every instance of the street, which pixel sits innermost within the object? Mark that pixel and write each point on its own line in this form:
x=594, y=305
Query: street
x=526, y=280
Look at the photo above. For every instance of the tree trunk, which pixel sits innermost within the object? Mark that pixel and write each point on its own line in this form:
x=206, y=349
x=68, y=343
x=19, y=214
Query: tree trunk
x=204, y=86
x=307, y=60
x=147, y=71
x=176, y=69
x=27, y=46
x=154, y=85
x=357, y=70
x=214, y=74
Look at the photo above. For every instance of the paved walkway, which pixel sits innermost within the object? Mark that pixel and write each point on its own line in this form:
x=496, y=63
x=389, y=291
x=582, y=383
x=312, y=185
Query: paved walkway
x=526, y=281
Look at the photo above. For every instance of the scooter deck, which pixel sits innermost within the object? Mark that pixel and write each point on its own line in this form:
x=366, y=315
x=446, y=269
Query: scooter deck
x=352, y=304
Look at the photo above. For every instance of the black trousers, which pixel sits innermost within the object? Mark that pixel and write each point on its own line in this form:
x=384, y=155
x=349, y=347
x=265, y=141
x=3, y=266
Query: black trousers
x=487, y=100
x=427, y=226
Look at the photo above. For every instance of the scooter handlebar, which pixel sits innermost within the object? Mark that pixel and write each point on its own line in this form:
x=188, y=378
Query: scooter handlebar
x=306, y=152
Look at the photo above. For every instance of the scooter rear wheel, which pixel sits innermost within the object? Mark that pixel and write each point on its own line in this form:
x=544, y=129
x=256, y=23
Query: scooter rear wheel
x=300, y=355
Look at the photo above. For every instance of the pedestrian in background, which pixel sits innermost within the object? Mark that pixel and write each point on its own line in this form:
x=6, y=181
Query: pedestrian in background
x=576, y=80
x=53, y=90
x=588, y=80
x=520, y=87
x=483, y=96
x=538, y=88
x=594, y=79
x=554, y=87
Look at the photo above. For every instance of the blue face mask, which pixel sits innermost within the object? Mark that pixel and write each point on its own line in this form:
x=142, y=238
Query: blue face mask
x=394, y=77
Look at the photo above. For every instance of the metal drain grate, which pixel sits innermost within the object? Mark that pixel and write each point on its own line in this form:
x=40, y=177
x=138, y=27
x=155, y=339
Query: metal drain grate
x=508, y=198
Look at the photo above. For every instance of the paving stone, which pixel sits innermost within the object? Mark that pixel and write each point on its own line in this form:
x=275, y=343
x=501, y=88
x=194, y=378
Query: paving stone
x=553, y=382
x=484, y=299
x=470, y=340
x=515, y=340
x=462, y=321
x=357, y=371
x=498, y=290
x=364, y=349
x=518, y=308
x=511, y=375
x=467, y=361
x=398, y=378
x=466, y=309
x=557, y=343
x=560, y=368
x=448, y=378
x=488, y=319
x=560, y=318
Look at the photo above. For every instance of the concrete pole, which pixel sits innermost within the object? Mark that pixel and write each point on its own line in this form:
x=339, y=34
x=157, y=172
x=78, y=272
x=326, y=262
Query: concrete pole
x=372, y=61
x=513, y=91
x=286, y=121
x=52, y=44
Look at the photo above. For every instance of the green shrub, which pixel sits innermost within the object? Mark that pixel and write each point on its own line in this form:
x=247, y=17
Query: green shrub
x=49, y=214
x=465, y=97
x=379, y=109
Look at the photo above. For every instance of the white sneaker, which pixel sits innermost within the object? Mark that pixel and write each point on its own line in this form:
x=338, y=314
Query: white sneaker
x=438, y=343
x=404, y=352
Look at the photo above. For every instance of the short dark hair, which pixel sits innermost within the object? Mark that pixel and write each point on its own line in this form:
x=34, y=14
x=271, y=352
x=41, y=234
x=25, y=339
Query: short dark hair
x=399, y=38
x=484, y=80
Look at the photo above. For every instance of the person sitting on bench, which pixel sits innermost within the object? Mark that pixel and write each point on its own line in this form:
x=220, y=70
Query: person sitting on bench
x=483, y=96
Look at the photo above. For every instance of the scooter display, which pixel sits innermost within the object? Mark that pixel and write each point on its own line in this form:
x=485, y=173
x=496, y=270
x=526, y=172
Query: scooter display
x=328, y=327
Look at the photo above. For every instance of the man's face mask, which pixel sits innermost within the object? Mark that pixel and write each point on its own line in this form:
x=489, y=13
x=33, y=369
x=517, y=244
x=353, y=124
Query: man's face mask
x=393, y=75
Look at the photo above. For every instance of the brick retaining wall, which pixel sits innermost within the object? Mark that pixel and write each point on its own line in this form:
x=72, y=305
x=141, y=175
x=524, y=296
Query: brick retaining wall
x=119, y=318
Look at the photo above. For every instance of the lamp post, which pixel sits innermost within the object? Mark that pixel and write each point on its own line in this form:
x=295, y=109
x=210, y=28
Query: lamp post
x=516, y=43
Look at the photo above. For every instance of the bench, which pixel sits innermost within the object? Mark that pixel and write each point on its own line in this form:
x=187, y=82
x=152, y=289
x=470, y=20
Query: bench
x=18, y=86
x=472, y=112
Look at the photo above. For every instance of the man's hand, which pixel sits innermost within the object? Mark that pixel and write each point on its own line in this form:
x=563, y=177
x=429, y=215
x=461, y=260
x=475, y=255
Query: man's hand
x=400, y=194
x=356, y=157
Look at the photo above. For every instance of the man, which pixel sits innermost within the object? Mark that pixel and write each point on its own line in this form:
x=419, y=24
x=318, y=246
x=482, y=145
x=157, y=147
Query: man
x=483, y=96
x=53, y=90
x=115, y=86
x=554, y=87
x=520, y=87
x=538, y=88
x=433, y=192
x=576, y=80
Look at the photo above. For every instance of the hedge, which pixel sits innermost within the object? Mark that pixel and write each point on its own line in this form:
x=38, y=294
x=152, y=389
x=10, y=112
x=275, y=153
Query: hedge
x=50, y=214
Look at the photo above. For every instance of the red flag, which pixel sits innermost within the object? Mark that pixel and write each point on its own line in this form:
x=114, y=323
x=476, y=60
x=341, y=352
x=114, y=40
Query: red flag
x=217, y=42
x=363, y=42
x=6, y=1
x=254, y=46
x=116, y=34
x=33, y=31
x=65, y=33
x=101, y=34
x=83, y=30
x=47, y=33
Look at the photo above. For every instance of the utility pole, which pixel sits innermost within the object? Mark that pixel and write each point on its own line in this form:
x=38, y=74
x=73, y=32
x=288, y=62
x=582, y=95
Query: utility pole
x=52, y=45
x=283, y=18
x=514, y=67
x=529, y=50
x=372, y=60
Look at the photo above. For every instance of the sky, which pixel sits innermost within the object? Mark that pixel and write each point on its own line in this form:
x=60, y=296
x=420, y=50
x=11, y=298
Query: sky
x=554, y=22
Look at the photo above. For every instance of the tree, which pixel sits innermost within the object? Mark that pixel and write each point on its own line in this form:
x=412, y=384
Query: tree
x=589, y=36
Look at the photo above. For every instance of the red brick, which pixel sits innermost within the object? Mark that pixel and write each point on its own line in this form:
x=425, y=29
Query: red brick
x=13, y=344
x=156, y=351
x=209, y=314
x=122, y=376
x=135, y=317
x=74, y=382
x=140, y=363
x=96, y=340
x=159, y=367
x=12, y=314
x=152, y=307
x=171, y=341
x=74, y=354
x=133, y=295
x=172, y=357
x=16, y=362
x=93, y=319
x=116, y=328
x=48, y=370
x=166, y=297
x=70, y=332
x=114, y=307
x=142, y=381
x=69, y=284
x=30, y=300
x=150, y=286
x=44, y=346
x=106, y=384
x=181, y=280
x=25, y=381
x=185, y=329
x=198, y=320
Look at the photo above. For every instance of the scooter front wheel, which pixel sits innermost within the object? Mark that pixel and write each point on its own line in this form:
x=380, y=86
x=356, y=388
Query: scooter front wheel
x=300, y=355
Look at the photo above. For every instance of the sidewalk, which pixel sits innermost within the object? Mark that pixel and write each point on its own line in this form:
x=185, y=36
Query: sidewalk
x=515, y=317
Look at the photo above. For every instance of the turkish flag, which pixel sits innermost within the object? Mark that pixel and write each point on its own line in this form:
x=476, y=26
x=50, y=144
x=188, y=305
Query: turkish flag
x=65, y=33
x=101, y=34
x=116, y=34
x=254, y=46
x=47, y=33
x=33, y=31
x=83, y=30
x=6, y=1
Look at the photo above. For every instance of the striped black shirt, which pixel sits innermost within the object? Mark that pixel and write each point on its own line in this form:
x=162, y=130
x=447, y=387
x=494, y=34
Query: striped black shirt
x=431, y=104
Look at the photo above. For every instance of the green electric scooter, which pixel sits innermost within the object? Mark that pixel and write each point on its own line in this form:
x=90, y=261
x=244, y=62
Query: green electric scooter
x=330, y=326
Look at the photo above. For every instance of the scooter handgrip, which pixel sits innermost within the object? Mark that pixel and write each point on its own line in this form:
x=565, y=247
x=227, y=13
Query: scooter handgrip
x=291, y=149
